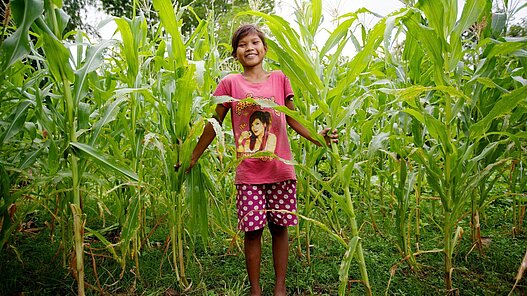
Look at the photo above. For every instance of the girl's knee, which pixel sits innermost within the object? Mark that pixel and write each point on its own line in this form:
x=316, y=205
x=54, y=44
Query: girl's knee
x=277, y=230
x=254, y=235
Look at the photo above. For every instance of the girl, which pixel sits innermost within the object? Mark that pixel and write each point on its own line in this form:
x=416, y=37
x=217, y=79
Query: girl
x=266, y=187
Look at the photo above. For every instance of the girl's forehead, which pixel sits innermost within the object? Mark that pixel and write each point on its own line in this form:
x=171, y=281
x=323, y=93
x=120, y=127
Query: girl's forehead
x=250, y=36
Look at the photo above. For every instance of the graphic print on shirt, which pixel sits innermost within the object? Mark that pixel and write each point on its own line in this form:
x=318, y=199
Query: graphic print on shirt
x=256, y=128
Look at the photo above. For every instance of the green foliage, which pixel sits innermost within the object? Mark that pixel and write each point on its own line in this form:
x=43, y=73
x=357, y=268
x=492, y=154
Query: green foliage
x=432, y=135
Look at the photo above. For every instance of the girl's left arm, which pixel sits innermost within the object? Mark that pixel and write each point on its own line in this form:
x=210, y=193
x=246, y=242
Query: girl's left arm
x=302, y=130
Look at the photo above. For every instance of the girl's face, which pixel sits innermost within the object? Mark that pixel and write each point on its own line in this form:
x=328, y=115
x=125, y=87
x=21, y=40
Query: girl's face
x=250, y=51
x=257, y=127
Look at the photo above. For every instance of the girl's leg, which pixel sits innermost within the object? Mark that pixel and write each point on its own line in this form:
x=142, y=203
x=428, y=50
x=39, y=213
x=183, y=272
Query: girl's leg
x=253, y=253
x=280, y=255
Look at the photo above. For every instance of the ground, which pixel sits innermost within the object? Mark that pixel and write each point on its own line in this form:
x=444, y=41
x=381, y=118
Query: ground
x=33, y=263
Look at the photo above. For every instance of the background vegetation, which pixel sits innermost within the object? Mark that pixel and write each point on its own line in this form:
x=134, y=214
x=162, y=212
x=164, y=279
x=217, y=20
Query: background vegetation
x=425, y=193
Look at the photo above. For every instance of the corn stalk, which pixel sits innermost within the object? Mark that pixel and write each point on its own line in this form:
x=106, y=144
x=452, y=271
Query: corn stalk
x=455, y=145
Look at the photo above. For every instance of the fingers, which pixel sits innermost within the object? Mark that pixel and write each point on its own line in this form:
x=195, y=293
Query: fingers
x=334, y=134
x=330, y=136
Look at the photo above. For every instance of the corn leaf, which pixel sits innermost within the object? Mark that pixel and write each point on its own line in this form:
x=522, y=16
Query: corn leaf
x=92, y=61
x=17, y=120
x=171, y=24
x=503, y=106
x=345, y=265
x=104, y=160
x=336, y=36
x=129, y=46
x=198, y=198
x=16, y=46
x=30, y=158
x=109, y=115
x=316, y=16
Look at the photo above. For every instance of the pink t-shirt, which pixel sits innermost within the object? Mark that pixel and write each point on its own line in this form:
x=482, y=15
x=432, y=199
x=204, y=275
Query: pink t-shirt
x=259, y=129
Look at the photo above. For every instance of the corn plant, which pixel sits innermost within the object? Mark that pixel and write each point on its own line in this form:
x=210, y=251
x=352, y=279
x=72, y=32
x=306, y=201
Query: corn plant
x=455, y=142
x=70, y=88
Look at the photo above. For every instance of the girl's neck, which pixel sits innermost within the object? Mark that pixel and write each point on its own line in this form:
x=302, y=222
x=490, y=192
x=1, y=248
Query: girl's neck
x=256, y=74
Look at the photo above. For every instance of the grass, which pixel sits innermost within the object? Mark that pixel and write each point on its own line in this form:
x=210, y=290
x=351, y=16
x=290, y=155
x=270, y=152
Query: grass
x=32, y=265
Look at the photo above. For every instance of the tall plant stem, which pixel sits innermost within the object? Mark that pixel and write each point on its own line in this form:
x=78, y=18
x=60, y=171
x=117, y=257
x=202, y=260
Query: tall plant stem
x=173, y=238
x=78, y=222
x=449, y=199
x=418, y=210
x=78, y=225
x=448, y=252
x=352, y=220
x=180, y=239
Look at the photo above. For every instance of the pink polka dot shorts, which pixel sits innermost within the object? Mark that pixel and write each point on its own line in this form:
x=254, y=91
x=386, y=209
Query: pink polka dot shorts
x=260, y=203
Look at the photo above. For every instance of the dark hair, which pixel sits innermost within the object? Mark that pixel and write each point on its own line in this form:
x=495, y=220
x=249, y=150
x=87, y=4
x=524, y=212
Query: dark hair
x=243, y=31
x=264, y=117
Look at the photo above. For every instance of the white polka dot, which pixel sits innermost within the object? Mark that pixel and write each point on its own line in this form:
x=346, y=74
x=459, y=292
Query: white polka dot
x=261, y=202
x=279, y=191
x=255, y=197
x=295, y=221
x=274, y=196
x=271, y=201
x=262, y=222
x=292, y=201
x=246, y=229
x=254, y=188
x=250, y=202
x=287, y=207
x=256, y=208
x=251, y=223
x=244, y=197
x=286, y=196
x=279, y=215
x=259, y=191
x=269, y=191
x=276, y=206
x=285, y=221
x=256, y=218
x=251, y=213
x=245, y=219
x=273, y=187
x=250, y=192
x=289, y=216
x=245, y=208
x=281, y=201
x=243, y=187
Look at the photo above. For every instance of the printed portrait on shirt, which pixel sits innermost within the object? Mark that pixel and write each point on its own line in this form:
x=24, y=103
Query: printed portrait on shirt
x=258, y=135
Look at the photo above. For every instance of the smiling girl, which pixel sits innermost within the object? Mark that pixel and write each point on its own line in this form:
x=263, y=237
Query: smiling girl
x=266, y=187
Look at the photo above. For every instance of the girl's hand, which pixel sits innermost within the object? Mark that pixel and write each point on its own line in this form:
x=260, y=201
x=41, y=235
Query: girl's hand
x=330, y=137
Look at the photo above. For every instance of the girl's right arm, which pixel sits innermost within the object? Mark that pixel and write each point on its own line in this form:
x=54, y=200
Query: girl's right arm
x=208, y=135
